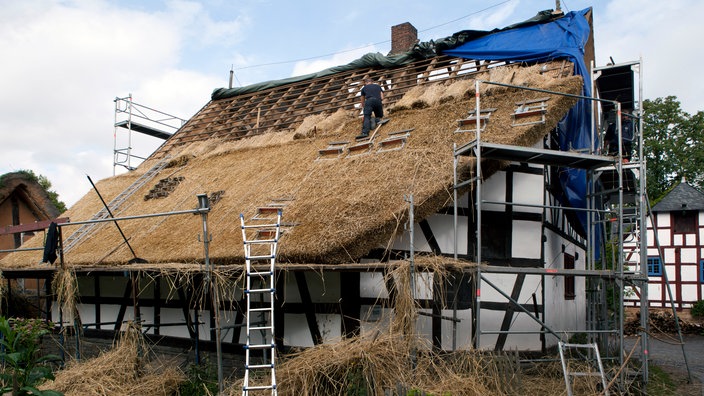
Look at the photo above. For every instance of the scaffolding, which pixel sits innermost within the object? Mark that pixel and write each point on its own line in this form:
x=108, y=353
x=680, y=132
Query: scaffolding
x=616, y=211
x=133, y=117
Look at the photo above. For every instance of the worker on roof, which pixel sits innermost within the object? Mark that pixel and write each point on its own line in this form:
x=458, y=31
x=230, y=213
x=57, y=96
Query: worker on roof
x=372, y=97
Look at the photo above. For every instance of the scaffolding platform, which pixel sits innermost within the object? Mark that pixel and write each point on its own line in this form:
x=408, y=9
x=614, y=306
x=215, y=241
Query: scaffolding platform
x=143, y=129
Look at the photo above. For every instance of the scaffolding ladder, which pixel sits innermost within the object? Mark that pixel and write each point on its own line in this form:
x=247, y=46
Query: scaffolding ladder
x=260, y=238
x=103, y=213
x=570, y=374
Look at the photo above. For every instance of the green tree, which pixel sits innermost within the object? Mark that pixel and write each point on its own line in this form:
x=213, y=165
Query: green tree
x=672, y=145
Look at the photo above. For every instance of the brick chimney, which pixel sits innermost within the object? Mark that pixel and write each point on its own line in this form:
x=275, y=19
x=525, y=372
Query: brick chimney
x=403, y=38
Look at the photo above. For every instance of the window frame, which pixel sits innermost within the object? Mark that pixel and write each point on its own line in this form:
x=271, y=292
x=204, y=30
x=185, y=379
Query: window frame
x=568, y=262
x=652, y=272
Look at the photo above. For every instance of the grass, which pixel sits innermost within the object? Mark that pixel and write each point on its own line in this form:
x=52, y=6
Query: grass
x=660, y=383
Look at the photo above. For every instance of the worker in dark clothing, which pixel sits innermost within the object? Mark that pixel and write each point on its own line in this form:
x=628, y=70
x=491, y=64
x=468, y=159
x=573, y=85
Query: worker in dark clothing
x=372, y=97
x=627, y=136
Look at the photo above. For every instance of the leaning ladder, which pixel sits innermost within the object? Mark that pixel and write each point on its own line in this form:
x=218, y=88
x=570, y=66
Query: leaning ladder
x=260, y=243
x=570, y=374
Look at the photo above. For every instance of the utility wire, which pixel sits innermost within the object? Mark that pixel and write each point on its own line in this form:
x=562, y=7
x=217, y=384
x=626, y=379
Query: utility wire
x=373, y=44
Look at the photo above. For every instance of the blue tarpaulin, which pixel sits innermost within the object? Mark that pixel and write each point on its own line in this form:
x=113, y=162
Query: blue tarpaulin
x=561, y=38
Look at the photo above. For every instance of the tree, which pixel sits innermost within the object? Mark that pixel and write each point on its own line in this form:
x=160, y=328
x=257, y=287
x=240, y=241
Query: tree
x=672, y=145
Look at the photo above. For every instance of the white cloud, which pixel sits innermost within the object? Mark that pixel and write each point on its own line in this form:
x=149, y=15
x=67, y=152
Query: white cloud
x=342, y=58
x=63, y=65
x=665, y=34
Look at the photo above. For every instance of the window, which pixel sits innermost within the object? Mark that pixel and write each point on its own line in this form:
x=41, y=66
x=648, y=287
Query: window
x=701, y=271
x=684, y=222
x=569, y=280
x=654, y=266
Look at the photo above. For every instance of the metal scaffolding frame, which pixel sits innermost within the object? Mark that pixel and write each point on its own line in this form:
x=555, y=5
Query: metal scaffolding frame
x=598, y=273
x=131, y=116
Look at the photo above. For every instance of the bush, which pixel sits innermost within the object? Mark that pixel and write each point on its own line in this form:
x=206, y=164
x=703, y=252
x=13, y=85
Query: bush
x=23, y=368
x=698, y=309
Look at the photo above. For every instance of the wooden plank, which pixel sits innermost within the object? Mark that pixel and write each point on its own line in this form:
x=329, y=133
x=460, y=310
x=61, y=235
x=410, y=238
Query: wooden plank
x=331, y=151
x=36, y=226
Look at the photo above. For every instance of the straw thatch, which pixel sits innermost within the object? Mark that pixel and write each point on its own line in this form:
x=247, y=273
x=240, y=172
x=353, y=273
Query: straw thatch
x=337, y=209
x=122, y=370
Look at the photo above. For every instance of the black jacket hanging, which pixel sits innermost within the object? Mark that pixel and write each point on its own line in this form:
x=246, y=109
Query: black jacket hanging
x=52, y=242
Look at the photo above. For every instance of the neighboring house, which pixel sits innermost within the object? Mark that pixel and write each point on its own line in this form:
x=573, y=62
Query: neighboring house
x=678, y=231
x=22, y=201
x=346, y=205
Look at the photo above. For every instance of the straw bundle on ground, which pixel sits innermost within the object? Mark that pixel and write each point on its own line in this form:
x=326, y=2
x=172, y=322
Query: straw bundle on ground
x=122, y=370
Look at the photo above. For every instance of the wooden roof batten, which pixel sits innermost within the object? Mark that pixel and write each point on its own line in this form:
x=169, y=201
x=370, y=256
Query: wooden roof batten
x=284, y=107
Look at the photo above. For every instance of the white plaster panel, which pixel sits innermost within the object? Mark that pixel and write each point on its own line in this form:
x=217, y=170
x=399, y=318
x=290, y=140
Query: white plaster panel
x=677, y=240
x=420, y=244
x=494, y=189
x=527, y=189
x=323, y=288
x=424, y=285
x=691, y=239
x=371, y=285
x=663, y=219
x=650, y=235
x=664, y=237
x=688, y=255
x=654, y=291
x=670, y=272
x=330, y=326
x=689, y=273
x=297, y=332
x=173, y=315
x=689, y=292
x=463, y=330
x=444, y=231
x=502, y=281
x=526, y=239
x=669, y=255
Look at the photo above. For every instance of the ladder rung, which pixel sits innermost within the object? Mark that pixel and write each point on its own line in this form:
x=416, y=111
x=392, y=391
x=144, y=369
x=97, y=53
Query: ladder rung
x=260, y=346
x=265, y=273
x=259, y=309
x=260, y=241
x=270, y=290
x=260, y=328
x=261, y=387
x=585, y=374
x=260, y=225
x=259, y=366
x=267, y=257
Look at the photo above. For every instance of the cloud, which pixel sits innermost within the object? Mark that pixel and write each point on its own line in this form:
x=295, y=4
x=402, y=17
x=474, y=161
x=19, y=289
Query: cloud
x=342, y=58
x=65, y=62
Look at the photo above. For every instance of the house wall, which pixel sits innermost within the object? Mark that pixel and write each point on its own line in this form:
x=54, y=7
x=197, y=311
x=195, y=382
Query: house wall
x=322, y=299
x=683, y=254
x=22, y=215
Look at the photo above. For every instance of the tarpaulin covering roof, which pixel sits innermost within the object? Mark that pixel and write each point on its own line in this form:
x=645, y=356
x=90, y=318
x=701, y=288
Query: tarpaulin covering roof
x=565, y=37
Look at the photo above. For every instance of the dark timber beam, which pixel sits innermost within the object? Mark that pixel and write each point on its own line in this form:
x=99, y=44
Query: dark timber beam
x=310, y=311
x=510, y=310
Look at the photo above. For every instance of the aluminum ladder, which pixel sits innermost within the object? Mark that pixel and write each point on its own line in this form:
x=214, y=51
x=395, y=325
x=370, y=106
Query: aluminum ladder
x=260, y=238
x=569, y=374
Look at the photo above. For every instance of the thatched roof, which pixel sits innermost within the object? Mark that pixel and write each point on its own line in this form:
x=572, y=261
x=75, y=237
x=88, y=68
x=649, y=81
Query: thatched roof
x=27, y=188
x=337, y=209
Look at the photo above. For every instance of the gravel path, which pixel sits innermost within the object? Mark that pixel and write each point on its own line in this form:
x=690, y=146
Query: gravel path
x=664, y=352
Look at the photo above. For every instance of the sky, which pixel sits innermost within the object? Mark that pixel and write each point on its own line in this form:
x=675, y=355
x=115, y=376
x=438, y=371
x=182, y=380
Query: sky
x=64, y=62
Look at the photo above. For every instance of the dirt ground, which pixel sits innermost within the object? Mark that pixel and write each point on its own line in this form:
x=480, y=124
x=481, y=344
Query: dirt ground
x=666, y=352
